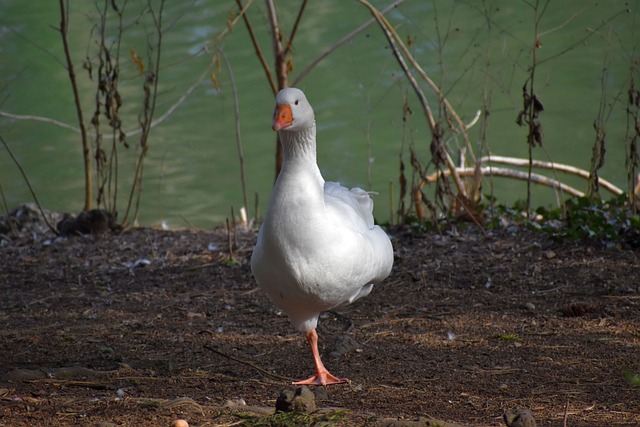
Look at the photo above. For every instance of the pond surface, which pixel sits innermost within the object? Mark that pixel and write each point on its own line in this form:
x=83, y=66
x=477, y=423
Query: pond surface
x=477, y=52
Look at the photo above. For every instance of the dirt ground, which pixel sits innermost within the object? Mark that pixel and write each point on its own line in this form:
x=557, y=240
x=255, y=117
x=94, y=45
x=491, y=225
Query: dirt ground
x=149, y=326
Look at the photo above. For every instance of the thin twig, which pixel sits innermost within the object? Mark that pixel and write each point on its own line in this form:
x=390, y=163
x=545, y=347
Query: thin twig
x=256, y=204
x=76, y=97
x=229, y=241
x=278, y=50
x=342, y=41
x=394, y=42
x=39, y=119
x=231, y=23
x=236, y=105
x=566, y=415
x=36, y=45
x=400, y=43
x=581, y=41
x=151, y=96
x=155, y=122
x=10, y=220
x=280, y=70
x=258, y=50
x=129, y=134
x=390, y=202
x=295, y=27
x=26, y=180
x=247, y=363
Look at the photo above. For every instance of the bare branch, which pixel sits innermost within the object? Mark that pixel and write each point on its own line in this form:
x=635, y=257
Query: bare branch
x=449, y=108
x=151, y=96
x=39, y=119
x=26, y=180
x=258, y=50
x=278, y=51
x=232, y=23
x=76, y=96
x=510, y=173
x=514, y=161
x=36, y=45
x=236, y=105
x=295, y=28
x=392, y=38
x=342, y=41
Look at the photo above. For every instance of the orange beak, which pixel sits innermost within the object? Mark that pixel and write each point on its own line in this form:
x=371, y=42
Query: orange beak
x=282, y=117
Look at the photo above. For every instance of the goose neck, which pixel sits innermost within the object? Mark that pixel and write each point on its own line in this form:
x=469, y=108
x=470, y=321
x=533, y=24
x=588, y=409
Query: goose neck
x=299, y=144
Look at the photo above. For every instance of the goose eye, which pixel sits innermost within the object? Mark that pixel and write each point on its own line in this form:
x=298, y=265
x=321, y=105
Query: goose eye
x=296, y=102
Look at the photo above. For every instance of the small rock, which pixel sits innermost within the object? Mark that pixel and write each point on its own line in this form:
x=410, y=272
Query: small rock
x=321, y=393
x=94, y=222
x=180, y=423
x=299, y=399
x=519, y=417
x=236, y=402
x=346, y=345
x=550, y=254
x=530, y=306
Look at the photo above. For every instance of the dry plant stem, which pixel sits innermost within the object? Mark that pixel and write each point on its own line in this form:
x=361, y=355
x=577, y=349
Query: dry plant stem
x=287, y=50
x=256, y=204
x=632, y=138
x=232, y=23
x=551, y=166
x=450, y=110
x=531, y=108
x=391, y=202
x=26, y=180
x=599, y=145
x=258, y=50
x=6, y=211
x=107, y=94
x=280, y=57
x=392, y=37
x=234, y=226
x=229, y=241
x=129, y=134
x=236, y=106
x=95, y=121
x=155, y=122
x=150, y=105
x=86, y=155
x=245, y=362
x=40, y=119
x=278, y=50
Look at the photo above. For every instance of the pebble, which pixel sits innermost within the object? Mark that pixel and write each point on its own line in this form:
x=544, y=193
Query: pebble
x=180, y=423
x=299, y=399
x=530, y=306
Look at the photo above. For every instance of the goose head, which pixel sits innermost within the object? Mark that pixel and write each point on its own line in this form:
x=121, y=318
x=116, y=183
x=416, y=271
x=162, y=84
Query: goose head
x=293, y=112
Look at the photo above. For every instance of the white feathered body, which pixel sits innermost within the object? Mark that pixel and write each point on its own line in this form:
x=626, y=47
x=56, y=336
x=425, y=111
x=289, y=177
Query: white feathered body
x=318, y=247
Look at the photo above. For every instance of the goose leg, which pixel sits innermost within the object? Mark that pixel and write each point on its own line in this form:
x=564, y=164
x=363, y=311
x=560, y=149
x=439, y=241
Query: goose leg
x=322, y=375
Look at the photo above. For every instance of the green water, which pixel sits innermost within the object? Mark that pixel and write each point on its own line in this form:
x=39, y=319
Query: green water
x=473, y=50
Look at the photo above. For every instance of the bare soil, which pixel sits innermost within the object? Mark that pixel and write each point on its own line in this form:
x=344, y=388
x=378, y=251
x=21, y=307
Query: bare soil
x=147, y=326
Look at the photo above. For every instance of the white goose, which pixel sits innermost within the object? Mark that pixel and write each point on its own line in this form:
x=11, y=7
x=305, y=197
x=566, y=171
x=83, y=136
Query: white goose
x=318, y=247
